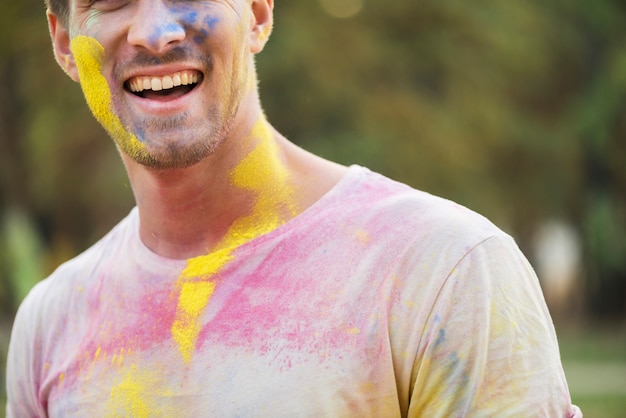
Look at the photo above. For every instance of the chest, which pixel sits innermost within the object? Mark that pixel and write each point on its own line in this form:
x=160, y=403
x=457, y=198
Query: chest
x=226, y=349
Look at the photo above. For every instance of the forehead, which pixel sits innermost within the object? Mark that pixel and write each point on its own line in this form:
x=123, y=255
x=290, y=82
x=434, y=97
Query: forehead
x=70, y=4
x=70, y=7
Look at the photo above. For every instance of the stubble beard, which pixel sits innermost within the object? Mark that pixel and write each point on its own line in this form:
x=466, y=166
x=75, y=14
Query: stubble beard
x=177, y=152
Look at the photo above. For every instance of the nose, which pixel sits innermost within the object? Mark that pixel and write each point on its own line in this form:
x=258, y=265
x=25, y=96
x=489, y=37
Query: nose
x=154, y=26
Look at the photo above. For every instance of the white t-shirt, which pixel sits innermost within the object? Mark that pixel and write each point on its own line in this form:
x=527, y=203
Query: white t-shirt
x=377, y=301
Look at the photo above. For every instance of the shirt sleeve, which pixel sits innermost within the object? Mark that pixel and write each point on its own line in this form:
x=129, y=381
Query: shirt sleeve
x=489, y=347
x=22, y=363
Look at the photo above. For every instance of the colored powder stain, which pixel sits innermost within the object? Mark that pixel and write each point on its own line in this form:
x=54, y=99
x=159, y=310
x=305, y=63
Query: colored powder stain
x=265, y=32
x=354, y=331
x=187, y=15
x=263, y=172
x=194, y=297
x=441, y=338
x=260, y=172
x=127, y=397
x=363, y=237
x=432, y=395
x=252, y=82
x=199, y=39
x=117, y=359
x=189, y=18
x=135, y=394
x=89, y=54
x=210, y=21
x=167, y=29
x=61, y=378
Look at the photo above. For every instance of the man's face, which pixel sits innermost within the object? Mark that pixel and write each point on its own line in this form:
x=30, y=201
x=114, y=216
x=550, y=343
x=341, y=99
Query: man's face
x=165, y=78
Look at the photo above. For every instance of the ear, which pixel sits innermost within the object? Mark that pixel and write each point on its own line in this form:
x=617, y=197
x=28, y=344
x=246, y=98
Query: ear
x=61, y=44
x=261, y=22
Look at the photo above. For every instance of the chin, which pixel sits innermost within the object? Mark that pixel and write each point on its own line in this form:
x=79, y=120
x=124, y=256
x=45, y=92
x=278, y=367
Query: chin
x=175, y=155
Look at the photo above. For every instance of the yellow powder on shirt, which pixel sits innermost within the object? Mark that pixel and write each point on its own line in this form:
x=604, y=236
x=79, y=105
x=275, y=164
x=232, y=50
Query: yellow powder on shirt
x=133, y=394
x=192, y=301
x=260, y=172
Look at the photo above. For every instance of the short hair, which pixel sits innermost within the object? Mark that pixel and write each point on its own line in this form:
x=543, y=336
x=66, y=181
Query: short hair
x=59, y=8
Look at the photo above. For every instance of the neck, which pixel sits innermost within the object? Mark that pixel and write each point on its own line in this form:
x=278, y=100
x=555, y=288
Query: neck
x=217, y=203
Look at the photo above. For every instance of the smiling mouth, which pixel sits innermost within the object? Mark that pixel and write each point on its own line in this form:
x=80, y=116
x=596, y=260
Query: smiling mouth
x=170, y=86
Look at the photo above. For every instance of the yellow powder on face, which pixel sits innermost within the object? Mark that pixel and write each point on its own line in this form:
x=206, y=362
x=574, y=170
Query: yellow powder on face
x=262, y=173
x=89, y=54
x=265, y=32
x=252, y=82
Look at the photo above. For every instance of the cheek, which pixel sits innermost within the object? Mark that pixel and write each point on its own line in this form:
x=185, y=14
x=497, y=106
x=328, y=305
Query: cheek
x=206, y=28
x=89, y=54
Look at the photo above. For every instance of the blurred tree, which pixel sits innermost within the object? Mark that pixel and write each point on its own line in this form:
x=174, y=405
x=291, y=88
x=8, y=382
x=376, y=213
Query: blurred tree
x=58, y=171
x=512, y=108
x=594, y=115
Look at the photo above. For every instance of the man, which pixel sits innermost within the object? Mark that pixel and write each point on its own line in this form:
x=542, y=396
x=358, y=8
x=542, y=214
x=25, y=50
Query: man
x=255, y=279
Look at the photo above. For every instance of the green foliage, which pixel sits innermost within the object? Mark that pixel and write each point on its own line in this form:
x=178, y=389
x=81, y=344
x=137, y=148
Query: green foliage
x=21, y=254
x=514, y=109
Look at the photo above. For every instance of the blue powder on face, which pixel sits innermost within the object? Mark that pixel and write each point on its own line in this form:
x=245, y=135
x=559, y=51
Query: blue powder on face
x=162, y=30
x=140, y=134
x=186, y=17
x=189, y=17
x=210, y=22
x=201, y=37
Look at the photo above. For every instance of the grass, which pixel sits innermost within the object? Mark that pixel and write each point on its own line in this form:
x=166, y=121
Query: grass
x=594, y=359
x=593, y=343
x=604, y=406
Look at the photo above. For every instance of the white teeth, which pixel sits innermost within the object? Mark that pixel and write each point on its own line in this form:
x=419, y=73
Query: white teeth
x=181, y=78
x=156, y=84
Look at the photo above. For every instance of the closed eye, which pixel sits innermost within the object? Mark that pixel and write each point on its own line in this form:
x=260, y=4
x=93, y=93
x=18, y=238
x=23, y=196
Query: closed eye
x=106, y=5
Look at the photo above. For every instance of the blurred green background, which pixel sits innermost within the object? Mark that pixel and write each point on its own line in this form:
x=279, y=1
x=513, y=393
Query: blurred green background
x=516, y=109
